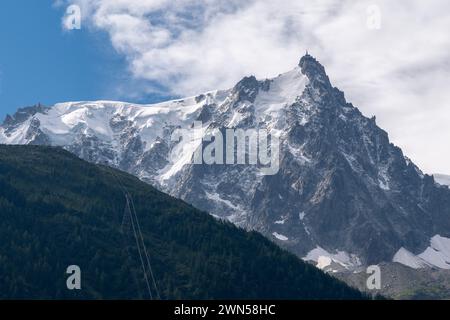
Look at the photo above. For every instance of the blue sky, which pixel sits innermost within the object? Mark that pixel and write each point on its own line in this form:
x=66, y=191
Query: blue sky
x=40, y=62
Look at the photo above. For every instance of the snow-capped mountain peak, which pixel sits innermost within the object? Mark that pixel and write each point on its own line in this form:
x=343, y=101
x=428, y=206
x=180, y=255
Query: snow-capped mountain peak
x=341, y=187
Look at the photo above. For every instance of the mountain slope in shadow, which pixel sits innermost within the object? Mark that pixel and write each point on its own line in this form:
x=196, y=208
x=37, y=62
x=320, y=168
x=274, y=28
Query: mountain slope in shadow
x=57, y=210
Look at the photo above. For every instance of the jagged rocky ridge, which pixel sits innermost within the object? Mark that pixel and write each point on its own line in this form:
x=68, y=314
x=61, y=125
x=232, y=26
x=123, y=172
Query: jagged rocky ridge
x=344, y=195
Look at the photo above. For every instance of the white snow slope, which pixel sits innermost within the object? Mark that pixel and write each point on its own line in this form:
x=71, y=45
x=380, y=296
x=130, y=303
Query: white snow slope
x=442, y=179
x=436, y=255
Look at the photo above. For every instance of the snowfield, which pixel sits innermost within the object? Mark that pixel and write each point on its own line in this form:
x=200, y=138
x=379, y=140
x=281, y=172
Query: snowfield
x=436, y=255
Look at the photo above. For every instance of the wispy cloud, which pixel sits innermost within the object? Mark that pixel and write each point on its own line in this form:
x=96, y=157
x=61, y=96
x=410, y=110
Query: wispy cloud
x=400, y=72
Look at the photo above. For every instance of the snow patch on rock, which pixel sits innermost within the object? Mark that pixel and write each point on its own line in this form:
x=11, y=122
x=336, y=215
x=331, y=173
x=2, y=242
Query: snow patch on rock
x=280, y=236
x=323, y=258
x=442, y=179
x=436, y=255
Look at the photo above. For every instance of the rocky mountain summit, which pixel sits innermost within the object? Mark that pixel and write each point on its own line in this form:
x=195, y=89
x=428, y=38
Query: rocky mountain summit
x=344, y=196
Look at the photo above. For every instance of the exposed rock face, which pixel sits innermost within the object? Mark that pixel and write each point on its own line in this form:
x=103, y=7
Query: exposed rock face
x=342, y=187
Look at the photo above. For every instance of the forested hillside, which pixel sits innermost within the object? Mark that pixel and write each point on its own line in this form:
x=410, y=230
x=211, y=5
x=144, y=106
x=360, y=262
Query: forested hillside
x=57, y=210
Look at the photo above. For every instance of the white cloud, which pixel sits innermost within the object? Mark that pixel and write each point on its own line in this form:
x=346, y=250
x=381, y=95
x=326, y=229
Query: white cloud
x=400, y=72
